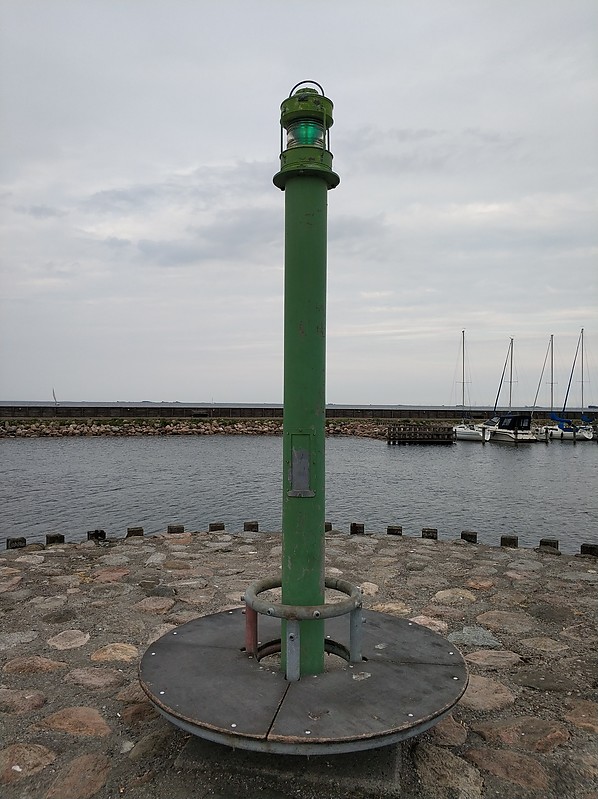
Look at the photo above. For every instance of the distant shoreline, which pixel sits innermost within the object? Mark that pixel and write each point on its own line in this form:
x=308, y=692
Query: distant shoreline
x=146, y=412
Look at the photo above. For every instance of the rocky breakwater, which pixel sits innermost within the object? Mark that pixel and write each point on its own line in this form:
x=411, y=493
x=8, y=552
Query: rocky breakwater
x=77, y=618
x=177, y=427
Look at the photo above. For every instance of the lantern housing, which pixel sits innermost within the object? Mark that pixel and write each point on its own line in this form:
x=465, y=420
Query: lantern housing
x=306, y=116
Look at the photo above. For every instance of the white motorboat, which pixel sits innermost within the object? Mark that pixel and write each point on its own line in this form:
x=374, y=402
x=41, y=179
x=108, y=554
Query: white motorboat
x=468, y=432
x=515, y=428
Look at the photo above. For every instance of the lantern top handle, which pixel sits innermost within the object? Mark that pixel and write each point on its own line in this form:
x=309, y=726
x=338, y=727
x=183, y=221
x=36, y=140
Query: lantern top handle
x=302, y=83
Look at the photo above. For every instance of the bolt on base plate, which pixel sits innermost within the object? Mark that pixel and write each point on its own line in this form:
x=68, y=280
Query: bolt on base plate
x=201, y=679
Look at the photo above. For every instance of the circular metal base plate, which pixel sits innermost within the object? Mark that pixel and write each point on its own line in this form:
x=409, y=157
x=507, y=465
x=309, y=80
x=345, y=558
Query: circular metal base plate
x=200, y=678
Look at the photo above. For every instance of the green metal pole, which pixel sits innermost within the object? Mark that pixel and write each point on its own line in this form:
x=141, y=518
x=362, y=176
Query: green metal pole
x=304, y=408
x=305, y=176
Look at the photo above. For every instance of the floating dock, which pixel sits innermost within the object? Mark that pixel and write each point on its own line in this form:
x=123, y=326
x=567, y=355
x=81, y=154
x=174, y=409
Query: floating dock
x=418, y=434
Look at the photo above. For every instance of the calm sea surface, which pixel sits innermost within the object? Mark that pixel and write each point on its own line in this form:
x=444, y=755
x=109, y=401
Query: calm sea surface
x=71, y=485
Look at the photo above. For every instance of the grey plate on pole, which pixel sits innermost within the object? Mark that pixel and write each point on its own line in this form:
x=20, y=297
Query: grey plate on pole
x=199, y=677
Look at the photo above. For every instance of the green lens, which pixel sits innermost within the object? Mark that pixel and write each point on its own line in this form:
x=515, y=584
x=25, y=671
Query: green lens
x=305, y=133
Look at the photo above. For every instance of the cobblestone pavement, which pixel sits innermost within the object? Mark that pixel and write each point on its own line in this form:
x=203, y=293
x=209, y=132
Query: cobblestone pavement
x=76, y=618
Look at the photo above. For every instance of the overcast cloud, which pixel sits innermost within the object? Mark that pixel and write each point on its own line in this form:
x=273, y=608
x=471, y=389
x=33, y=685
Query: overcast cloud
x=142, y=237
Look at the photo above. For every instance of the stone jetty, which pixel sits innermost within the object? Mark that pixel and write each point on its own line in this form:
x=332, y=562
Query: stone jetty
x=76, y=619
x=56, y=428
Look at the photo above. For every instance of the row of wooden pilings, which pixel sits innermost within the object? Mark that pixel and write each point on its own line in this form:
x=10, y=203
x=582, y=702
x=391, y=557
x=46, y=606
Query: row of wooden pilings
x=356, y=528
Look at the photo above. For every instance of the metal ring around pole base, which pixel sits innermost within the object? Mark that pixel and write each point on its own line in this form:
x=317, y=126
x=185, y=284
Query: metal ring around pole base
x=303, y=612
x=200, y=678
x=294, y=614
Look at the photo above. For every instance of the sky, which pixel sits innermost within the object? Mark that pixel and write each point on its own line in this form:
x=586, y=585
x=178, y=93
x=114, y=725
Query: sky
x=142, y=238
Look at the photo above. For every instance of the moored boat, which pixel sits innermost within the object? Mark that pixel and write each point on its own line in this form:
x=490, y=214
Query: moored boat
x=511, y=427
x=466, y=431
x=566, y=429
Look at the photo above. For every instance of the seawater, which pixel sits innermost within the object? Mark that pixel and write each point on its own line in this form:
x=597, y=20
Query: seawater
x=72, y=485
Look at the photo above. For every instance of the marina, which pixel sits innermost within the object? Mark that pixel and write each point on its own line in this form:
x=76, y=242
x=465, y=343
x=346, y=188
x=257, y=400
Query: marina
x=517, y=425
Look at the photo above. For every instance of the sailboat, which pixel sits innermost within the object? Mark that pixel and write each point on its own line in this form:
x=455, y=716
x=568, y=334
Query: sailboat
x=565, y=429
x=542, y=432
x=512, y=427
x=466, y=431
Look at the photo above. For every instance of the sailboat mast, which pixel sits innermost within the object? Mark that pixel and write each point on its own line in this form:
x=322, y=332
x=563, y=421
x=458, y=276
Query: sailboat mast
x=579, y=342
x=511, y=375
x=581, y=369
x=542, y=374
x=551, y=372
x=463, y=370
x=502, y=377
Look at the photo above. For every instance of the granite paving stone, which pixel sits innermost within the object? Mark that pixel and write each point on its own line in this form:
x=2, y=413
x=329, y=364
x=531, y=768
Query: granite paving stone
x=393, y=608
x=95, y=678
x=525, y=732
x=583, y=714
x=546, y=645
x=19, y=761
x=514, y=622
x=154, y=604
x=437, y=625
x=454, y=596
x=110, y=575
x=10, y=584
x=33, y=664
x=512, y=767
x=14, y=700
x=449, y=732
x=78, y=720
x=474, y=635
x=484, y=694
x=479, y=584
x=117, y=651
x=82, y=778
x=148, y=746
x=543, y=679
x=443, y=774
x=69, y=639
x=492, y=659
